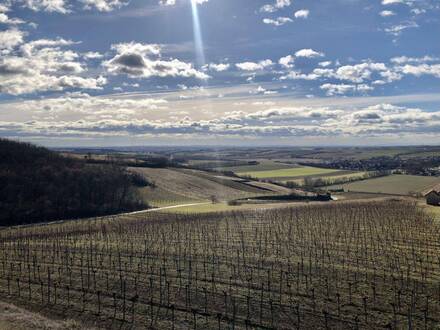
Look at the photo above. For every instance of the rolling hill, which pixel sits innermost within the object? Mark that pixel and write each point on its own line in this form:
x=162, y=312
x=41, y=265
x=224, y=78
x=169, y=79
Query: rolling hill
x=175, y=185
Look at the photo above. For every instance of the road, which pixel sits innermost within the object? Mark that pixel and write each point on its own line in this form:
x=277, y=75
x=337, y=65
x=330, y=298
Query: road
x=165, y=208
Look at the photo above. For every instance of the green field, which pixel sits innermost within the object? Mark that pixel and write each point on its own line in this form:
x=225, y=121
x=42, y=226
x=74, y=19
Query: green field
x=331, y=177
x=393, y=184
x=263, y=165
x=285, y=174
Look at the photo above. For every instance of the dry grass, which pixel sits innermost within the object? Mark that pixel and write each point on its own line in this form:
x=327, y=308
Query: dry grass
x=196, y=185
x=15, y=318
x=224, y=207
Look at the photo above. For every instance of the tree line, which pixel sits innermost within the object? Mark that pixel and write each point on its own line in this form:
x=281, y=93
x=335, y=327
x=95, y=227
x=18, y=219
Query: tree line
x=40, y=185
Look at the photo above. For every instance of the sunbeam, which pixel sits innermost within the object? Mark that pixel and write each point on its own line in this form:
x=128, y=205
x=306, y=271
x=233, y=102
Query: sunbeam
x=198, y=39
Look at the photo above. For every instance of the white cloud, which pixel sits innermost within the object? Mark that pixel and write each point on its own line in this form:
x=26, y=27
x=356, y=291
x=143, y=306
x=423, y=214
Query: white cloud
x=253, y=66
x=287, y=61
x=262, y=90
x=282, y=3
x=10, y=39
x=167, y=2
x=104, y=5
x=340, y=89
x=325, y=64
x=418, y=11
x=392, y=2
x=59, y=6
x=173, y=2
x=80, y=115
x=279, y=21
x=387, y=13
x=279, y=4
x=359, y=72
x=220, y=67
x=310, y=53
x=422, y=69
x=303, y=13
x=396, y=30
x=135, y=85
x=375, y=73
x=67, y=6
x=406, y=59
x=142, y=60
x=42, y=65
x=5, y=19
x=389, y=76
x=28, y=48
x=317, y=73
x=268, y=9
x=93, y=55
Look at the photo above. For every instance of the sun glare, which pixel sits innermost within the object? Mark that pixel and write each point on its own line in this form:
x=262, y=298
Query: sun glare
x=198, y=39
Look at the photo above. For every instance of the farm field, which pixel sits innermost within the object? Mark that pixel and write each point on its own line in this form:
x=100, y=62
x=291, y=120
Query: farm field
x=178, y=186
x=394, y=184
x=290, y=173
x=311, y=267
x=334, y=176
x=264, y=165
x=160, y=197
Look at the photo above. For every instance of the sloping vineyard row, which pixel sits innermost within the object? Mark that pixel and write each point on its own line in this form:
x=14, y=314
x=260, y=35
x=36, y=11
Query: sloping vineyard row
x=359, y=265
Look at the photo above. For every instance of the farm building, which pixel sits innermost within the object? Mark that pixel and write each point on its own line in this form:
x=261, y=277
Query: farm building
x=433, y=197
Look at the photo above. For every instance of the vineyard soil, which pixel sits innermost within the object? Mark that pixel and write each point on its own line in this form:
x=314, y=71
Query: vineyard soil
x=346, y=265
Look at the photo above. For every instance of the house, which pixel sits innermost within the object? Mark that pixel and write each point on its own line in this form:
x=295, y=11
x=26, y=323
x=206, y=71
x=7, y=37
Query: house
x=433, y=197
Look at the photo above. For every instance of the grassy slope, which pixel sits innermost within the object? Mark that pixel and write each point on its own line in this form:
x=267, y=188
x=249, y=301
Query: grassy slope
x=264, y=165
x=15, y=318
x=223, y=207
x=176, y=186
x=394, y=184
x=160, y=197
x=334, y=176
x=296, y=172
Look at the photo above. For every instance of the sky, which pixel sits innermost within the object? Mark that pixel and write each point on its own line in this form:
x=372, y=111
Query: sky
x=220, y=72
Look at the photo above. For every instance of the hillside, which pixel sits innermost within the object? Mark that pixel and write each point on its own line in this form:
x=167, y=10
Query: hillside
x=41, y=185
x=345, y=265
x=174, y=186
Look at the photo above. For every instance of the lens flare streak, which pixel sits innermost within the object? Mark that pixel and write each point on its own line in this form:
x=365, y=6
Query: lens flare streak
x=198, y=39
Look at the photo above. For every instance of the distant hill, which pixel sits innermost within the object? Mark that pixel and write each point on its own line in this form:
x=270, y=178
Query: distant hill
x=39, y=185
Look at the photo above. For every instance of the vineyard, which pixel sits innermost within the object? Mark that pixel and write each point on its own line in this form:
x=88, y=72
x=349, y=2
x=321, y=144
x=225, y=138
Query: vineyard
x=358, y=265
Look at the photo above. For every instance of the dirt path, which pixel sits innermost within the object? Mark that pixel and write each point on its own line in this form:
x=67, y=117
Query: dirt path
x=165, y=208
